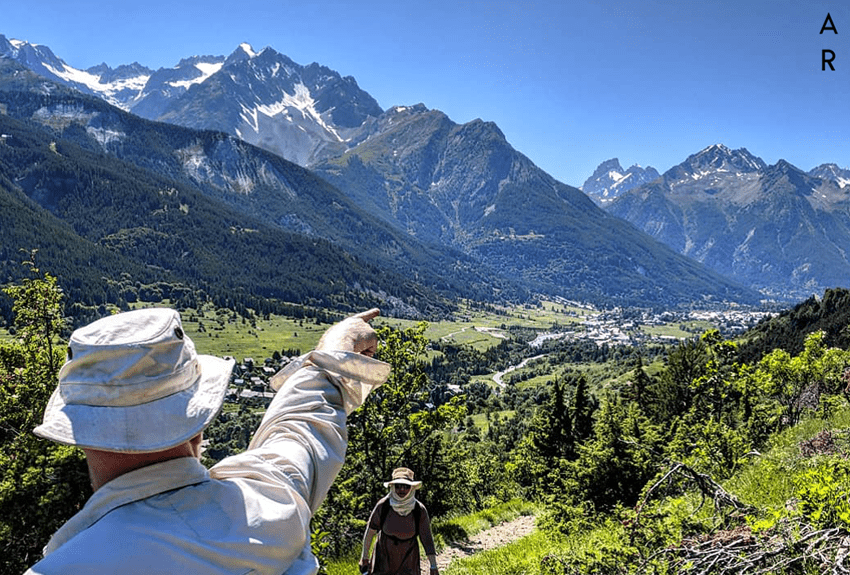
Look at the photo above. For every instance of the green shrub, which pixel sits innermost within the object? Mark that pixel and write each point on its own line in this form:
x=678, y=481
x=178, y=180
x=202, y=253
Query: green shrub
x=823, y=493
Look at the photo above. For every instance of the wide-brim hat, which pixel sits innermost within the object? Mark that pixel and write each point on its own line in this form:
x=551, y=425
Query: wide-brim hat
x=133, y=383
x=404, y=476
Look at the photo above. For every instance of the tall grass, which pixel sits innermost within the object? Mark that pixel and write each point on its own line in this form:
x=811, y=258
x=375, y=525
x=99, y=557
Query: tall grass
x=768, y=480
x=521, y=557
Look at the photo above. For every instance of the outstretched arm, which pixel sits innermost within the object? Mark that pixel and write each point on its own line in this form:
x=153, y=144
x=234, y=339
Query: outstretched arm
x=303, y=434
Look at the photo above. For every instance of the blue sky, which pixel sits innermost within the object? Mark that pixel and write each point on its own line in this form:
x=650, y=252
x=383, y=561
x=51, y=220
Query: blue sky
x=571, y=83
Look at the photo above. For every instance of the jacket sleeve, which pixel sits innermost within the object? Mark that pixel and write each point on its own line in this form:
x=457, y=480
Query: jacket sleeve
x=425, y=535
x=303, y=434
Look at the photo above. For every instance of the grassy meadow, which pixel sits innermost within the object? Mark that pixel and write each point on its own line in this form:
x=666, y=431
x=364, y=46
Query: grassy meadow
x=223, y=333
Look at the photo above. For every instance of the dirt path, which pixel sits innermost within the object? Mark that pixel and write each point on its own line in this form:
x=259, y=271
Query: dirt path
x=489, y=539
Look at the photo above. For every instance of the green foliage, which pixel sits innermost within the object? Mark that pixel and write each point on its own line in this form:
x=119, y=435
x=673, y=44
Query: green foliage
x=823, y=493
x=796, y=383
x=319, y=545
x=230, y=433
x=674, y=392
x=614, y=465
x=43, y=484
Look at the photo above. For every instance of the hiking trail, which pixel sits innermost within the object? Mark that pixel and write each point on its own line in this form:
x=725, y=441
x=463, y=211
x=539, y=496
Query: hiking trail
x=496, y=536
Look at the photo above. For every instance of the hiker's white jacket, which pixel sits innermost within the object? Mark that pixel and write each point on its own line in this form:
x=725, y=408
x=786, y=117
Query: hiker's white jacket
x=251, y=512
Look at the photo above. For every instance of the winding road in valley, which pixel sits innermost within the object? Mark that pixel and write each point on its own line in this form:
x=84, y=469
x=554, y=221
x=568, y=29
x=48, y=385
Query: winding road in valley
x=497, y=377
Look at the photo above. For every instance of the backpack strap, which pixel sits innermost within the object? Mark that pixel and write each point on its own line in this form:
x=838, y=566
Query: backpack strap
x=417, y=515
x=385, y=510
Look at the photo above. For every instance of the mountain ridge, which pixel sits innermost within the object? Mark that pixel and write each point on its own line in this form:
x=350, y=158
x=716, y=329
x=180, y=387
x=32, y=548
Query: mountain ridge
x=775, y=228
x=218, y=166
x=466, y=186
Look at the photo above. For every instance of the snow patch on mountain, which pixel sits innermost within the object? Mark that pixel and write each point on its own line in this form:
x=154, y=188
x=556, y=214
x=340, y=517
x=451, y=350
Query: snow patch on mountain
x=831, y=172
x=248, y=49
x=107, y=91
x=60, y=117
x=207, y=69
x=302, y=101
x=105, y=136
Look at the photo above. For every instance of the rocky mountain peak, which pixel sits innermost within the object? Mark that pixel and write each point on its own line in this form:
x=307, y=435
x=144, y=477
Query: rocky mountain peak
x=612, y=165
x=122, y=72
x=243, y=52
x=610, y=180
x=38, y=58
x=834, y=173
x=720, y=158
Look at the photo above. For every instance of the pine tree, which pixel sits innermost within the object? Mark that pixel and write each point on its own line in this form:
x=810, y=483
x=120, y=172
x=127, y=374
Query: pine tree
x=583, y=408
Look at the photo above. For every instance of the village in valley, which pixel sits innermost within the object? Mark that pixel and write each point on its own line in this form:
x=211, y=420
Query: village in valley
x=614, y=327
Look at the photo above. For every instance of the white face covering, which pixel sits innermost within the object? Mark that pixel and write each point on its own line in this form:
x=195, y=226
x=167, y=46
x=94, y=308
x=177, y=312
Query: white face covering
x=402, y=506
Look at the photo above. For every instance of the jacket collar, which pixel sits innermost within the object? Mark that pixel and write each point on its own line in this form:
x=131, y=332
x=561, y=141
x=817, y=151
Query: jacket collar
x=133, y=486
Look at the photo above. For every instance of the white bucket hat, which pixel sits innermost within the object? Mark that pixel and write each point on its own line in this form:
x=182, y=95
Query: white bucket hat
x=134, y=383
x=404, y=476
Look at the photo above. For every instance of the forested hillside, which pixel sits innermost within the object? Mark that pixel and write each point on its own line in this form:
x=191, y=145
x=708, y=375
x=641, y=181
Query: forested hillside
x=788, y=330
x=174, y=229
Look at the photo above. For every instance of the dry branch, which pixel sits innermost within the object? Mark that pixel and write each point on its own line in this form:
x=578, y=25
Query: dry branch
x=790, y=547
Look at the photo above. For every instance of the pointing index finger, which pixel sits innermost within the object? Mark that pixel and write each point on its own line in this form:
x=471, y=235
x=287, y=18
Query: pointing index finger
x=368, y=315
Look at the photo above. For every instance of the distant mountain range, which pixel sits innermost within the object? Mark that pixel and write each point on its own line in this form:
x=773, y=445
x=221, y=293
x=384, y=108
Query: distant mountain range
x=465, y=186
x=775, y=228
x=301, y=113
x=451, y=202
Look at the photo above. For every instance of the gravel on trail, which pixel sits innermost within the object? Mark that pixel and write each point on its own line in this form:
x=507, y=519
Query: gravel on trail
x=492, y=538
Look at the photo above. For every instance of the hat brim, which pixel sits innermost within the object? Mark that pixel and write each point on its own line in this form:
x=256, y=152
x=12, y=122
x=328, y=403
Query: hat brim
x=154, y=426
x=413, y=484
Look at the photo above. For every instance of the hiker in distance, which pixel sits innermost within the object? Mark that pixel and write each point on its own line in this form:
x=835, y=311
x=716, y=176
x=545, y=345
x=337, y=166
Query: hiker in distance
x=400, y=521
x=135, y=396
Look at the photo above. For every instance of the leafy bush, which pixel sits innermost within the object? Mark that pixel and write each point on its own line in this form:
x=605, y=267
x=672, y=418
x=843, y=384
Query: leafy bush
x=823, y=493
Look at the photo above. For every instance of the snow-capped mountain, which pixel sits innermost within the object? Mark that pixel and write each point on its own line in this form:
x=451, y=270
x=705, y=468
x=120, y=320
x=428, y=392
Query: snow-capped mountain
x=302, y=113
x=609, y=180
x=775, y=228
x=832, y=173
x=712, y=166
x=118, y=87
x=480, y=196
